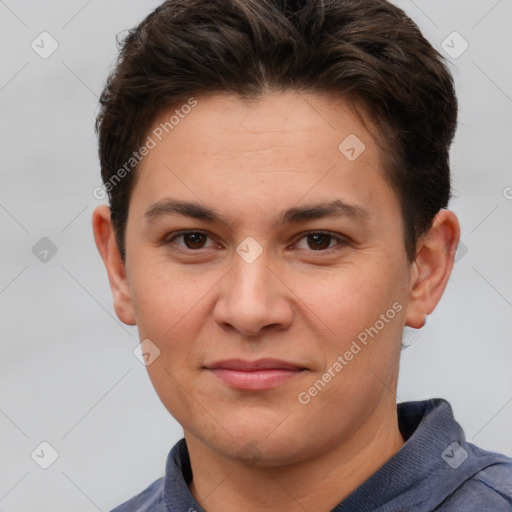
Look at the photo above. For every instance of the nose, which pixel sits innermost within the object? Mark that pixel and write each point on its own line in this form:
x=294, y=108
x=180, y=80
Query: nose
x=252, y=298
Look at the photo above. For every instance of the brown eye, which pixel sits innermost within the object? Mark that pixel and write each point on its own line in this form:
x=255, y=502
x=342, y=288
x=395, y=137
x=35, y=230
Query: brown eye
x=191, y=240
x=321, y=242
x=318, y=241
x=194, y=240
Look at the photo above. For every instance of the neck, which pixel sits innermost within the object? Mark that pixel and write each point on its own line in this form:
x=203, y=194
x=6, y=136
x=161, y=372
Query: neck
x=320, y=483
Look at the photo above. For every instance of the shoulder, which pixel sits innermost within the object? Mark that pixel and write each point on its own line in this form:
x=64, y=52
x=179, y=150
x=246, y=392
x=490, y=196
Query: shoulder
x=489, y=489
x=149, y=500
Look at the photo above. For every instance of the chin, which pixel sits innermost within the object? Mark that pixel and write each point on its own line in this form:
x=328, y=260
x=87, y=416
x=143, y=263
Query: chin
x=264, y=447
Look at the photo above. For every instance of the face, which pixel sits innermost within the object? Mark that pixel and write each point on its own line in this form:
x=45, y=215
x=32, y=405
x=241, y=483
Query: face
x=266, y=263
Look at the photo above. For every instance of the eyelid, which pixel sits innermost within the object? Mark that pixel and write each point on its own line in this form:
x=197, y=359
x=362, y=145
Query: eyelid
x=168, y=239
x=342, y=240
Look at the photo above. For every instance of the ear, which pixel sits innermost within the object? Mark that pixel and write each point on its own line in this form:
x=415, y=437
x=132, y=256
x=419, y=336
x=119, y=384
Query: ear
x=104, y=236
x=432, y=267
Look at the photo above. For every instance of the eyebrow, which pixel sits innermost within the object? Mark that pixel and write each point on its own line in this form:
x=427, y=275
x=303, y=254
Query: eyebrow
x=296, y=214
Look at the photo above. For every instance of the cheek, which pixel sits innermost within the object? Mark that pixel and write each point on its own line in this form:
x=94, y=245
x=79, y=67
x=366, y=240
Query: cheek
x=351, y=299
x=167, y=308
x=365, y=319
x=172, y=308
x=163, y=296
x=364, y=311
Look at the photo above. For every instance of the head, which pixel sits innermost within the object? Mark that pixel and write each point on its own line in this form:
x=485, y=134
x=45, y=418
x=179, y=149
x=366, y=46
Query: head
x=312, y=139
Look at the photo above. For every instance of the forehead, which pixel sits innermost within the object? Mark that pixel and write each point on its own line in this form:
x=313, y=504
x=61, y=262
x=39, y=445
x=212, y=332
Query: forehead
x=282, y=145
x=299, y=114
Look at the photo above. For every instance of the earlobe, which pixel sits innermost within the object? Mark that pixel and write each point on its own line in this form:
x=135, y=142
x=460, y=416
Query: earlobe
x=432, y=267
x=104, y=236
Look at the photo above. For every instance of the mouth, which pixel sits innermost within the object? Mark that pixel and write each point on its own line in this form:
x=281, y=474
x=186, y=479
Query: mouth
x=254, y=375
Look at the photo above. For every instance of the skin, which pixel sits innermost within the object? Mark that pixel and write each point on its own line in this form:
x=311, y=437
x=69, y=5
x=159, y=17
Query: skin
x=199, y=301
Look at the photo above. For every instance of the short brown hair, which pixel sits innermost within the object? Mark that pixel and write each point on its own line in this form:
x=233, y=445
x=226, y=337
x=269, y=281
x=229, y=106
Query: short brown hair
x=367, y=51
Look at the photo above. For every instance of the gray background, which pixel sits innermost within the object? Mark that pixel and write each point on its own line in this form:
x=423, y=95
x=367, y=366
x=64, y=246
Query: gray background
x=68, y=373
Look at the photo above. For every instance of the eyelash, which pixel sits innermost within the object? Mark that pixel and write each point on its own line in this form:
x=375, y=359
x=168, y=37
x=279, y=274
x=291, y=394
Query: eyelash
x=342, y=242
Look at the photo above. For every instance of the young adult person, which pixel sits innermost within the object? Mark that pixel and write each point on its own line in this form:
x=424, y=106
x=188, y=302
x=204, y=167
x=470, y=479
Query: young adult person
x=278, y=176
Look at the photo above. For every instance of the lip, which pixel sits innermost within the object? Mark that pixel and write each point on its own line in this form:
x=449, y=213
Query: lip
x=254, y=375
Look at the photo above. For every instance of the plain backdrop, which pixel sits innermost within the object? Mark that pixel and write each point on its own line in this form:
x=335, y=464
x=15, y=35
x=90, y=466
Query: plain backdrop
x=68, y=373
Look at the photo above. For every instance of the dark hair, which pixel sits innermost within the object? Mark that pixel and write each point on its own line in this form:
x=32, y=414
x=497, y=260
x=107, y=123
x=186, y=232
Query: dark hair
x=366, y=51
